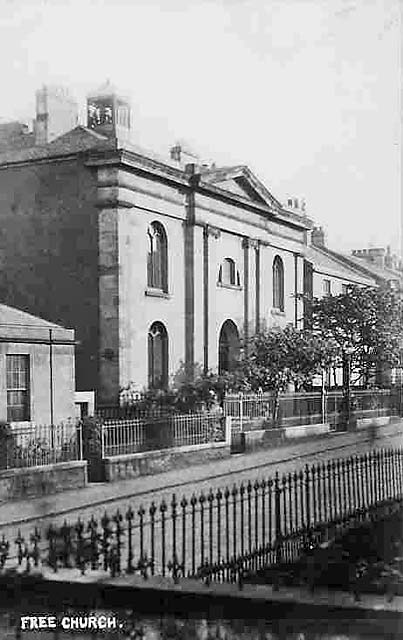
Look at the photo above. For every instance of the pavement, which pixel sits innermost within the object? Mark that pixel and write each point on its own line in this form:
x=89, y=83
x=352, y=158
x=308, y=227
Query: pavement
x=95, y=498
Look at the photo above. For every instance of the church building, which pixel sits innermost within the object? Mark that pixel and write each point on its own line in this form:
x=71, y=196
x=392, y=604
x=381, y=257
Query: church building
x=155, y=262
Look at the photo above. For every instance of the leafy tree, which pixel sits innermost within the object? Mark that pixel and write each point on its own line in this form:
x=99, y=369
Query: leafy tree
x=364, y=322
x=275, y=358
x=198, y=392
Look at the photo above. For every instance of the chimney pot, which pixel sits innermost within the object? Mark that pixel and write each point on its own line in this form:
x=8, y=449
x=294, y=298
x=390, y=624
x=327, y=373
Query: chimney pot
x=176, y=152
x=56, y=114
x=318, y=237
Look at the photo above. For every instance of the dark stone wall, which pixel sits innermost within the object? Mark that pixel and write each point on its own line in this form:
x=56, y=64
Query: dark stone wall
x=49, y=250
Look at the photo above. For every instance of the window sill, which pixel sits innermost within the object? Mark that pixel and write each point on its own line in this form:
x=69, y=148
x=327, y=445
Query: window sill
x=234, y=287
x=277, y=312
x=156, y=293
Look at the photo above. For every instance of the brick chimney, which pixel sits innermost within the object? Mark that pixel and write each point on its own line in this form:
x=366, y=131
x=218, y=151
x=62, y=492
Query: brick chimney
x=296, y=204
x=56, y=114
x=175, y=152
x=318, y=237
x=377, y=256
x=390, y=259
x=181, y=154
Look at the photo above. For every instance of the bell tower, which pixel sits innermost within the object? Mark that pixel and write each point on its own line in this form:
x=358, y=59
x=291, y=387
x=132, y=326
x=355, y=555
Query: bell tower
x=109, y=113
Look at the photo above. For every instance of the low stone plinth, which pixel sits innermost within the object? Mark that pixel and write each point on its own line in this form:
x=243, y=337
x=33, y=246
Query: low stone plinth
x=263, y=438
x=33, y=482
x=379, y=421
x=152, y=462
x=306, y=430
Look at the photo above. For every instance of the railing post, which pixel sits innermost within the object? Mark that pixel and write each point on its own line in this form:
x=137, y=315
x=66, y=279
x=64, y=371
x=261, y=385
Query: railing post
x=163, y=509
x=103, y=427
x=174, y=515
x=241, y=410
x=80, y=435
x=184, y=504
x=323, y=398
x=202, y=500
x=228, y=429
x=277, y=516
x=193, y=503
x=307, y=498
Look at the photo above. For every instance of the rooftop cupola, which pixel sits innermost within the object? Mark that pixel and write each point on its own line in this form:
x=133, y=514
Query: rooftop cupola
x=108, y=112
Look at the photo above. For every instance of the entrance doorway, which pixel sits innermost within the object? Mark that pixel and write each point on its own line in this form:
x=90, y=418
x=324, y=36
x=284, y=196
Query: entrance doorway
x=228, y=347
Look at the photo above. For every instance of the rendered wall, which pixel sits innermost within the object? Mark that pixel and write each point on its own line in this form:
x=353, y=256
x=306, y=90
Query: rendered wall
x=61, y=378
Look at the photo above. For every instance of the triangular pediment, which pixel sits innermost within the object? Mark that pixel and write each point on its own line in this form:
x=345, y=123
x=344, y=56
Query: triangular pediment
x=242, y=182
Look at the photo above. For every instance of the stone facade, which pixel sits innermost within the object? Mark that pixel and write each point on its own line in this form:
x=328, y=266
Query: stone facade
x=93, y=197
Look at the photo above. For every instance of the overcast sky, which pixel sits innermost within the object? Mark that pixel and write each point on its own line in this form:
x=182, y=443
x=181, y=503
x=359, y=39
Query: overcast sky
x=306, y=92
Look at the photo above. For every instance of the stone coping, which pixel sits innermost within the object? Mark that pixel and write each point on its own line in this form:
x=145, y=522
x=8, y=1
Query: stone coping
x=56, y=466
x=128, y=588
x=125, y=457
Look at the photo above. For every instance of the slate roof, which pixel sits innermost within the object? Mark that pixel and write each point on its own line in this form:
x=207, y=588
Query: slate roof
x=375, y=270
x=237, y=180
x=75, y=141
x=23, y=324
x=332, y=263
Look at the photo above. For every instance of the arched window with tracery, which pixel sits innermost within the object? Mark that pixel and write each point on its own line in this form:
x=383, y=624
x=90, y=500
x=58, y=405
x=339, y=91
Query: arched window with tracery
x=157, y=356
x=278, y=284
x=157, y=257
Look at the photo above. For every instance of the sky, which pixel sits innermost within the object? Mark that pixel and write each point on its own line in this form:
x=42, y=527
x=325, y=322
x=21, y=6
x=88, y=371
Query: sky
x=307, y=93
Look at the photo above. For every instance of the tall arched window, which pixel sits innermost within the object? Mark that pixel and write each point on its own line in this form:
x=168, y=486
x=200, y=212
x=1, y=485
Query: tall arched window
x=157, y=356
x=278, y=284
x=157, y=257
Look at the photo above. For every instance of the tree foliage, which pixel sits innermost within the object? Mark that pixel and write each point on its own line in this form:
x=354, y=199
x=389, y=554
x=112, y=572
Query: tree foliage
x=199, y=391
x=365, y=322
x=275, y=358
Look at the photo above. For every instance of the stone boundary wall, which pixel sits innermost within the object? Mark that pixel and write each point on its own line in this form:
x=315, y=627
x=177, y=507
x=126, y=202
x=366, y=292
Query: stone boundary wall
x=364, y=423
x=33, y=482
x=304, y=430
x=154, y=462
x=151, y=462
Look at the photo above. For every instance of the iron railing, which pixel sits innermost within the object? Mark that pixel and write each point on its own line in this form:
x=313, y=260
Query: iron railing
x=308, y=408
x=128, y=411
x=224, y=533
x=380, y=402
x=134, y=435
x=35, y=445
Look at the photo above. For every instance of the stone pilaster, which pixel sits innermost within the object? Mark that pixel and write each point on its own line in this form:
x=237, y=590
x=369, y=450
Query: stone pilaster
x=108, y=279
x=208, y=232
